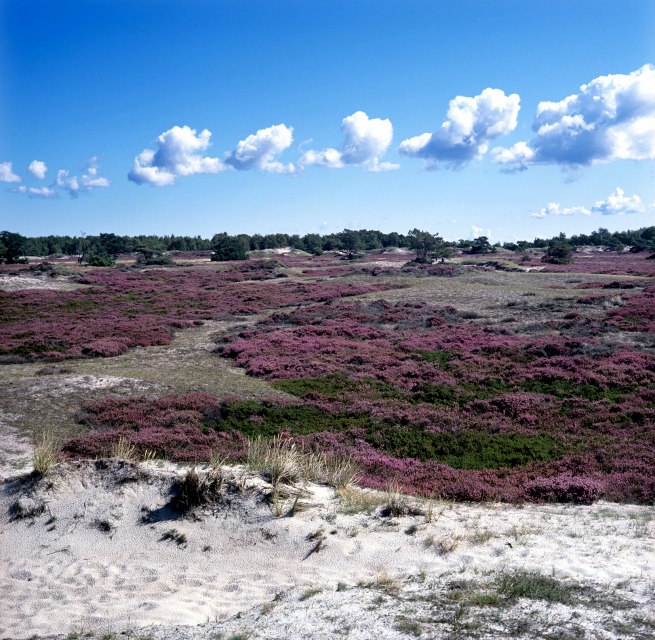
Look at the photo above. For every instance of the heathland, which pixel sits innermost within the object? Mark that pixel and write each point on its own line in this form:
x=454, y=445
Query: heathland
x=496, y=379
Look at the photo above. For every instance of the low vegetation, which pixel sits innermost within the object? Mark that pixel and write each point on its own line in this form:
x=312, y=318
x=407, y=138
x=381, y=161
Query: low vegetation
x=548, y=398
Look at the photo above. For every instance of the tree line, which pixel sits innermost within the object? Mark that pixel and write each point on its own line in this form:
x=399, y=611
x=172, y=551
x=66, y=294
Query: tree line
x=427, y=245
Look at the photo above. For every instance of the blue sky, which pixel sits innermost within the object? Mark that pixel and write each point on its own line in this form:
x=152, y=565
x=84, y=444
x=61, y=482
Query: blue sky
x=313, y=112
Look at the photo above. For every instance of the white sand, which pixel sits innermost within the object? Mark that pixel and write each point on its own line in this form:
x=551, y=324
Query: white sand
x=61, y=573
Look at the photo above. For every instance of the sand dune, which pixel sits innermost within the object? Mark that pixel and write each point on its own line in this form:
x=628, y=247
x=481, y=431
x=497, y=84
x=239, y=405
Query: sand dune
x=93, y=558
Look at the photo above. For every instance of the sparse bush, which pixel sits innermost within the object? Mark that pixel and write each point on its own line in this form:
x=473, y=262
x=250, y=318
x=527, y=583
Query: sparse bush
x=396, y=504
x=27, y=507
x=310, y=593
x=559, y=252
x=175, y=536
x=100, y=260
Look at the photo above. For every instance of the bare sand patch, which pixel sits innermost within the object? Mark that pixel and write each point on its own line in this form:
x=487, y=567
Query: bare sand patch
x=19, y=282
x=97, y=556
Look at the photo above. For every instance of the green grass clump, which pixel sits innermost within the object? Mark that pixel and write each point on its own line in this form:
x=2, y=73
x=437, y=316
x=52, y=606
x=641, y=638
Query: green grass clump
x=337, y=387
x=535, y=586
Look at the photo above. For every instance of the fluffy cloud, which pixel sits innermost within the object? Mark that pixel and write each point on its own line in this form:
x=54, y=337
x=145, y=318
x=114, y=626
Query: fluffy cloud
x=470, y=124
x=616, y=204
x=7, y=173
x=179, y=153
x=38, y=192
x=258, y=150
x=555, y=209
x=64, y=181
x=38, y=169
x=366, y=140
x=85, y=183
x=477, y=232
x=612, y=118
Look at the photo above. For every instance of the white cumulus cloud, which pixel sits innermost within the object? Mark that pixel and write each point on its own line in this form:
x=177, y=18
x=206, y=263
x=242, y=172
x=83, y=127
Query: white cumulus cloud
x=7, y=173
x=258, y=150
x=616, y=204
x=74, y=185
x=38, y=192
x=179, y=153
x=38, y=169
x=478, y=232
x=365, y=141
x=464, y=136
x=611, y=118
x=555, y=209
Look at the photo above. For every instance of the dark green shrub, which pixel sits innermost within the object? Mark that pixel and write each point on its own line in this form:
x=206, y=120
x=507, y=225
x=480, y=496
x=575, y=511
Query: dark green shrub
x=99, y=260
x=466, y=450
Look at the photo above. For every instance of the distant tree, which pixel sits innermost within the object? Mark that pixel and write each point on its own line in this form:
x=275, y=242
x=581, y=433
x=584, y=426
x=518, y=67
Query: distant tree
x=111, y=244
x=481, y=245
x=392, y=239
x=559, y=252
x=313, y=243
x=11, y=246
x=427, y=246
x=350, y=242
x=230, y=248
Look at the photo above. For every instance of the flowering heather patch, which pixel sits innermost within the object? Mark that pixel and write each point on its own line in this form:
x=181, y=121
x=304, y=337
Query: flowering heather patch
x=637, y=313
x=619, y=264
x=420, y=397
x=128, y=308
x=466, y=410
x=170, y=426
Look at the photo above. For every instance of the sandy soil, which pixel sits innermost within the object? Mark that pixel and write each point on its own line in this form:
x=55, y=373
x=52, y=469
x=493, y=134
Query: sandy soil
x=18, y=282
x=84, y=551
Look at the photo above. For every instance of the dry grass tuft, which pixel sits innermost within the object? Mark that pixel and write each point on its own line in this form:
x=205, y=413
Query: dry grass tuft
x=195, y=489
x=123, y=449
x=335, y=471
x=284, y=463
x=277, y=458
x=353, y=500
x=46, y=452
